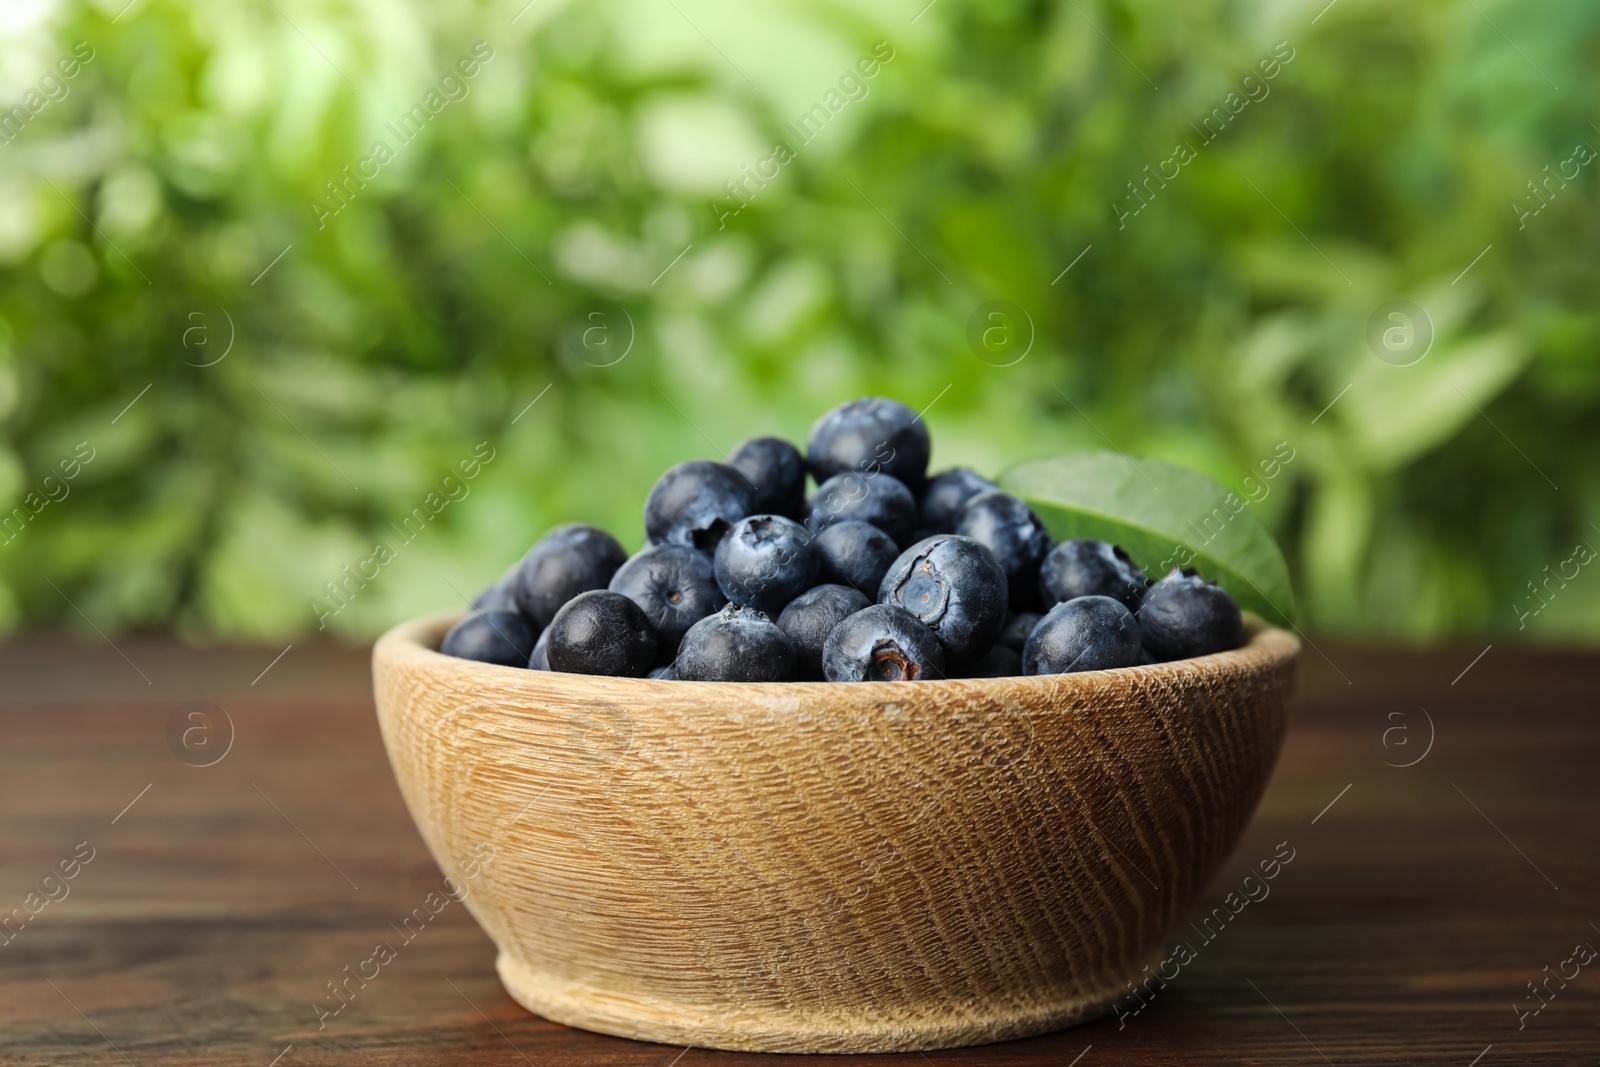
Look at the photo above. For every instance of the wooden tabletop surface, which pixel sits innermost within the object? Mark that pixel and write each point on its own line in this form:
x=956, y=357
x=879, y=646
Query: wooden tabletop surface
x=167, y=912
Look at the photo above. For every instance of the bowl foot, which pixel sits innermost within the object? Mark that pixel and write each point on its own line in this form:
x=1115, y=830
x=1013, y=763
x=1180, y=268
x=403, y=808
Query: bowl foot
x=720, y=1026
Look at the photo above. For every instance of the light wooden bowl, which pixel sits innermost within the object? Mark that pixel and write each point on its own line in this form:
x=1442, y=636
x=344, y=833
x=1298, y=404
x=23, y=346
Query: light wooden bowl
x=813, y=867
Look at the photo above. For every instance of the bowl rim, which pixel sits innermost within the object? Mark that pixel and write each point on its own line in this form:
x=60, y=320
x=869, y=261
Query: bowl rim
x=417, y=640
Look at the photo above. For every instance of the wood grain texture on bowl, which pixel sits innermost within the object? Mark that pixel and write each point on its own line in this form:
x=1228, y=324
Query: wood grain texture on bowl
x=826, y=867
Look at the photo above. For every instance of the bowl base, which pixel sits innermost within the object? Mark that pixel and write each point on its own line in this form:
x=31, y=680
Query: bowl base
x=771, y=1030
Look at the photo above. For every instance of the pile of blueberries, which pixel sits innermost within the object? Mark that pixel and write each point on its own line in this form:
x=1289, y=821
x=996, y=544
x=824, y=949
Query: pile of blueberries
x=882, y=574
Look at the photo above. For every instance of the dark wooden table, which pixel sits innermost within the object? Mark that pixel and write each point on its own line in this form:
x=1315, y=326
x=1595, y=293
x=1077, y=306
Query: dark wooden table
x=218, y=901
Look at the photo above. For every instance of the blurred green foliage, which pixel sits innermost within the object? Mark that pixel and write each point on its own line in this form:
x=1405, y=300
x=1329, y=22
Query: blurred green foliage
x=573, y=200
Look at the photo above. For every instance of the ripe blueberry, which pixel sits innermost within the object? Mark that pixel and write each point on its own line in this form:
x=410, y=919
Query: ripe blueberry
x=601, y=632
x=955, y=587
x=735, y=645
x=676, y=588
x=1091, y=568
x=856, y=554
x=694, y=503
x=811, y=617
x=569, y=560
x=501, y=596
x=1008, y=526
x=1019, y=624
x=540, y=658
x=945, y=495
x=778, y=472
x=766, y=561
x=882, y=643
x=503, y=637
x=869, y=436
x=1184, y=615
x=1089, y=633
x=879, y=499
x=669, y=673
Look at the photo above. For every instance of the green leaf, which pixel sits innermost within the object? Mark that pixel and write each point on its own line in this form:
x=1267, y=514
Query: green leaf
x=1406, y=412
x=1163, y=515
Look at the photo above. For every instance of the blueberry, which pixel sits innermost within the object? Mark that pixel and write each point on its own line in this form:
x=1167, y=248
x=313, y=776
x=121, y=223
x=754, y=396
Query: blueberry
x=811, y=617
x=568, y=560
x=856, y=554
x=880, y=499
x=694, y=503
x=1014, y=534
x=954, y=586
x=1091, y=568
x=501, y=596
x=945, y=495
x=778, y=472
x=1087, y=633
x=1019, y=624
x=540, y=659
x=669, y=673
x=869, y=436
x=601, y=632
x=882, y=643
x=1184, y=615
x=766, y=561
x=503, y=637
x=676, y=588
x=998, y=662
x=735, y=645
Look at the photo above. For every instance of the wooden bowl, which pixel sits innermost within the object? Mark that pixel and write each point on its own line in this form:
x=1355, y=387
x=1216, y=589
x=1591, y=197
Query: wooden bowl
x=813, y=867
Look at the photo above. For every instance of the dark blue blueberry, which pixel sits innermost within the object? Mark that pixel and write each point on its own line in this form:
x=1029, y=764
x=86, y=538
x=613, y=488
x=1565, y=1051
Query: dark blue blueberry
x=1089, y=633
x=501, y=596
x=879, y=499
x=735, y=645
x=1091, y=568
x=1014, y=534
x=998, y=662
x=676, y=588
x=568, y=560
x=856, y=554
x=1184, y=615
x=601, y=632
x=882, y=643
x=1019, y=624
x=503, y=637
x=946, y=494
x=869, y=436
x=669, y=673
x=778, y=472
x=540, y=659
x=811, y=617
x=766, y=561
x=694, y=503
x=955, y=587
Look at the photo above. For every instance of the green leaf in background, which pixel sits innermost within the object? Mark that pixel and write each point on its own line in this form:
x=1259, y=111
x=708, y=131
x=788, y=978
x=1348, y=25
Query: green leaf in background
x=1164, y=516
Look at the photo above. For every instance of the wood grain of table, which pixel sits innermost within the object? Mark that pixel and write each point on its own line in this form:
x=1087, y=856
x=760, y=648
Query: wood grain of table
x=221, y=900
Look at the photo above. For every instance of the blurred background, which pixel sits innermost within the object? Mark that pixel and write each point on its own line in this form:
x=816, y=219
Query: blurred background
x=270, y=271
